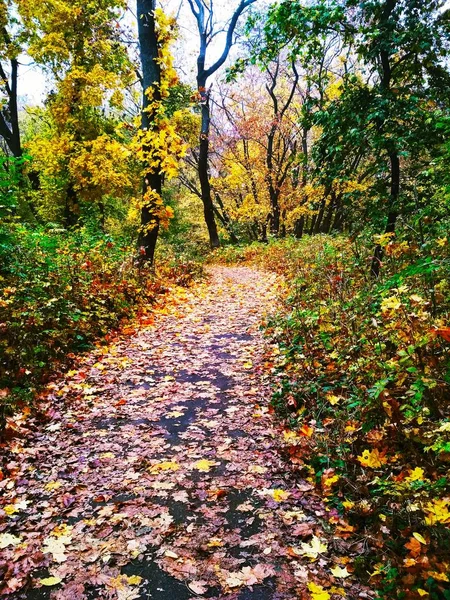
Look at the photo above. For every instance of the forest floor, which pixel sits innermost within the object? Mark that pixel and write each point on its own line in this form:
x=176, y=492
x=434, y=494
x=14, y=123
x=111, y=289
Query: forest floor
x=161, y=473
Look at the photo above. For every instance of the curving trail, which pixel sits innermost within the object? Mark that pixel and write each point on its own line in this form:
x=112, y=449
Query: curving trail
x=161, y=474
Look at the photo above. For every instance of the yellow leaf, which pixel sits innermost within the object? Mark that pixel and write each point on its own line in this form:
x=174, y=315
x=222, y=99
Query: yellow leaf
x=164, y=466
x=215, y=543
x=437, y=512
x=7, y=539
x=415, y=475
x=420, y=538
x=313, y=549
x=106, y=455
x=422, y=592
x=50, y=581
x=134, y=579
x=279, y=495
x=174, y=414
x=317, y=592
x=332, y=399
x=372, y=459
x=339, y=572
x=10, y=509
x=204, y=465
x=52, y=485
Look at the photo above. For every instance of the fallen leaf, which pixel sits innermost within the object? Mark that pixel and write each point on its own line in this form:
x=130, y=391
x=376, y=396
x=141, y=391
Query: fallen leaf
x=49, y=581
x=7, y=539
x=317, y=592
x=204, y=465
x=340, y=572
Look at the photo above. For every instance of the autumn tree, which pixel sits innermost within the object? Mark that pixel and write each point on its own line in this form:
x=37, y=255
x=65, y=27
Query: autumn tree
x=256, y=142
x=13, y=39
x=80, y=155
x=158, y=144
x=205, y=18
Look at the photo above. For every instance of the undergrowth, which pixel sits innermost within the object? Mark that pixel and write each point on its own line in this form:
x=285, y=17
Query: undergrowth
x=365, y=395
x=60, y=291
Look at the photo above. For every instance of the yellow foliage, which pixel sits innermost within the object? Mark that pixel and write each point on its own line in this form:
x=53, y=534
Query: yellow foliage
x=372, y=459
x=317, y=592
x=437, y=511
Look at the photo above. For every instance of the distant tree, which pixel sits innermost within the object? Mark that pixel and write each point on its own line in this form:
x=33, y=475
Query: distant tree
x=385, y=110
x=204, y=16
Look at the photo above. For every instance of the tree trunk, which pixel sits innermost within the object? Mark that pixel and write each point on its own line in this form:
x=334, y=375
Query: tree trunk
x=224, y=217
x=203, y=175
x=71, y=208
x=151, y=79
x=385, y=84
x=392, y=212
x=299, y=226
x=329, y=216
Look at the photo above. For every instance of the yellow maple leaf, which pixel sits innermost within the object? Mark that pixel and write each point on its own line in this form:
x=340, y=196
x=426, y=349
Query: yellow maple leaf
x=317, y=592
x=134, y=579
x=415, y=475
x=332, y=399
x=340, y=572
x=313, y=549
x=279, y=495
x=437, y=512
x=164, y=466
x=52, y=485
x=372, y=458
x=204, y=465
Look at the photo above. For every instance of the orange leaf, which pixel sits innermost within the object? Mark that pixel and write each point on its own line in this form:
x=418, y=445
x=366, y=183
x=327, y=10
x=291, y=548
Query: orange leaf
x=444, y=332
x=306, y=430
x=414, y=547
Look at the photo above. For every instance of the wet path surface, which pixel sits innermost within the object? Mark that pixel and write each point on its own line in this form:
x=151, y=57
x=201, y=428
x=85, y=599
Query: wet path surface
x=160, y=475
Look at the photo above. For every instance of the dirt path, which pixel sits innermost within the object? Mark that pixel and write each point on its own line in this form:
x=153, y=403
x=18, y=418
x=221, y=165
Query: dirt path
x=161, y=476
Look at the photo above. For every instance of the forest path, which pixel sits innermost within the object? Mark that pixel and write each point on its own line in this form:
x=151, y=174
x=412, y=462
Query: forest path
x=161, y=476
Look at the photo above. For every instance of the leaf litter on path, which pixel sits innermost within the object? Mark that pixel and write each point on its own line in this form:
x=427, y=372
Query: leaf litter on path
x=160, y=474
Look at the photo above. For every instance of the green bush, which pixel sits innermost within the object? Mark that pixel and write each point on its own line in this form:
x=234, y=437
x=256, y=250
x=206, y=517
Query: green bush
x=59, y=291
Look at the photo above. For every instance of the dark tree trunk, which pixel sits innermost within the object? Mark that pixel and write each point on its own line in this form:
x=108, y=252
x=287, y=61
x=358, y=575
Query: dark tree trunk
x=203, y=172
x=273, y=193
x=298, y=227
x=313, y=223
x=392, y=212
x=329, y=216
x=394, y=159
x=71, y=208
x=151, y=78
x=204, y=16
x=339, y=215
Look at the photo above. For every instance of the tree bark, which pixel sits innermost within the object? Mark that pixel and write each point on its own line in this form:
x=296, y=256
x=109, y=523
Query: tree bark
x=151, y=78
x=203, y=13
x=203, y=174
x=394, y=159
x=392, y=212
